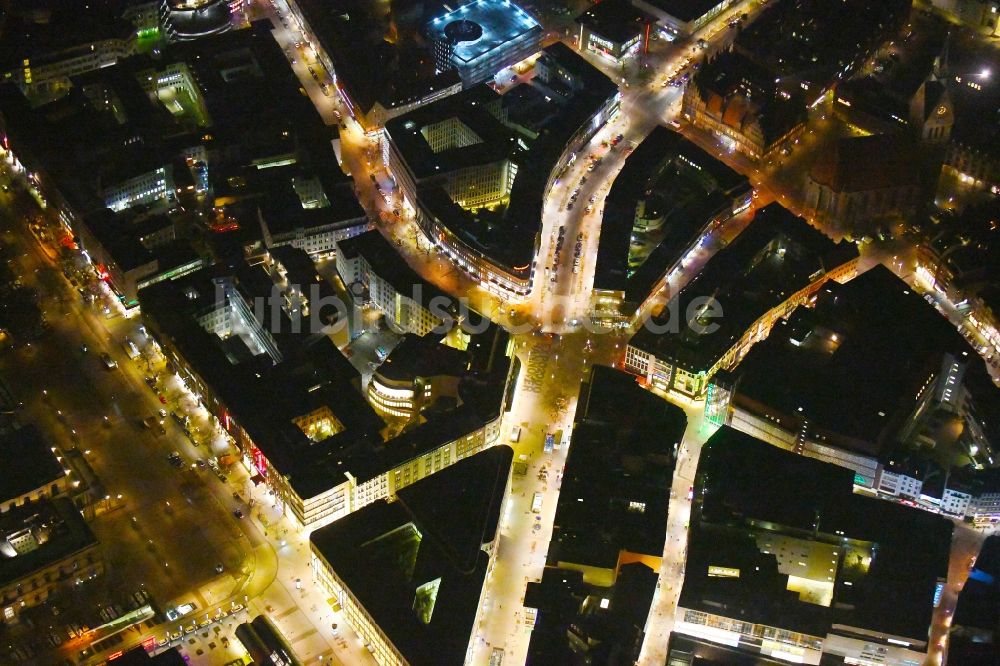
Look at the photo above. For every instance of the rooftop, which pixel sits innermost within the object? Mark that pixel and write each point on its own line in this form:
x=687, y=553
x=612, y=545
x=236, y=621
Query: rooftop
x=506, y=238
x=377, y=49
x=740, y=91
x=388, y=265
x=750, y=495
x=816, y=43
x=34, y=29
x=858, y=164
x=473, y=111
x=28, y=463
x=424, y=356
x=617, y=20
x=664, y=160
x=873, y=327
x=616, y=482
x=777, y=255
x=685, y=10
x=496, y=22
x=38, y=534
x=417, y=565
x=301, y=371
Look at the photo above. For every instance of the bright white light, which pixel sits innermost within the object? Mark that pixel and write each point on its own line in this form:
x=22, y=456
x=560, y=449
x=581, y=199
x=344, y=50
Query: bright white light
x=985, y=74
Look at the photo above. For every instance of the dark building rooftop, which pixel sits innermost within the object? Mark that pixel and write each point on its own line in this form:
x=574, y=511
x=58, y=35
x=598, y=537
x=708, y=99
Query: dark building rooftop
x=377, y=49
x=858, y=164
x=746, y=490
x=57, y=531
x=571, y=628
x=775, y=257
x=423, y=356
x=875, y=328
x=616, y=482
x=308, y=373
x=37, y=29
x=28, y=463
x=663, y=158
x=616, y=20
x=417, y=564
x=816, y=43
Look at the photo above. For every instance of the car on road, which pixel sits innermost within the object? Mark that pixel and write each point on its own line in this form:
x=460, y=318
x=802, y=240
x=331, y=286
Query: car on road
x=109, y=362
x=175, y=460
x=536, y=503
x=238, y=513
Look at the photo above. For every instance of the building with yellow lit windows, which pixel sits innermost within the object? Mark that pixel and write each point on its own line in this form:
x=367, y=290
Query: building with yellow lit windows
x=410, y=574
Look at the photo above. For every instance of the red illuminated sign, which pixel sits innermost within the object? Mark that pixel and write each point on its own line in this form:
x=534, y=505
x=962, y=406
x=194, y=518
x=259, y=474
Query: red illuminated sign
x=259, y=461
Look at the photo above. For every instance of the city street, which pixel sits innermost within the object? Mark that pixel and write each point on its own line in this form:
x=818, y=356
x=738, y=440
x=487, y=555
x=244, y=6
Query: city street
x=170, y=529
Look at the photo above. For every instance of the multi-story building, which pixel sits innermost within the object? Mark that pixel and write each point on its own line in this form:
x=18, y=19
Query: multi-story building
x=246, y=345
x=897, y=478
x=640, y=211
x=614, y=29
x=184, y=20
x=735, y=99
x=984, y=507
x=377, y=79
x=410, y=575
x=72, y=62
x=818, y=578
x=44, y=546
x=777, y=264
x=458, y=158
x=922, y=381
x=409, y=304
x=46, y=44
x=981, y=15
x=624, y=516
x=482, y=37
x=151, y=187
x=418, y=372
x=682, y=18
x=33, y=471
x=974, y=164
x=808, y=46
x=861, y=179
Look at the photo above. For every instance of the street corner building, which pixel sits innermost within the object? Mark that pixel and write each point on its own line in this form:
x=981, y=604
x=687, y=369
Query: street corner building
x=410, y=574
x=786, y=561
